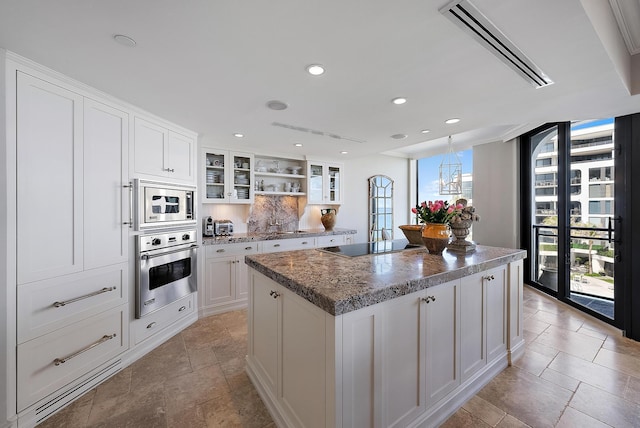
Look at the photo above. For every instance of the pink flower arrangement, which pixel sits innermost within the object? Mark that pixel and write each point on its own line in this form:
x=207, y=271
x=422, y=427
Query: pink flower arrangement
x=436, y=212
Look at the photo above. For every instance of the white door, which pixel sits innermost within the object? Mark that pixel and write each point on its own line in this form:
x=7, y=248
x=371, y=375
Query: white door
x=106, y=201
x=403, y=361
x=180, y=157
x=149, y=148
x=265, y=327
x=49, y=180
x=496, y=286
x=219, y=280
x=442, y=340
x=473, y=326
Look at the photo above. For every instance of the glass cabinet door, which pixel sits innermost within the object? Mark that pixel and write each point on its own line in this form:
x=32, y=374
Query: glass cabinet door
x=316, y=184
x=242, y=178
x=334, y=191
x=215, y=176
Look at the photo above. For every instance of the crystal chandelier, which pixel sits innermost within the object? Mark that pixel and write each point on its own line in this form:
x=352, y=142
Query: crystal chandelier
x=450, y=173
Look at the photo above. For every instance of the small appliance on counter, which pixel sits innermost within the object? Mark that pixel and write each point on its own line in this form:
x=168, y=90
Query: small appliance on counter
x=207, y=226
x=223, y=227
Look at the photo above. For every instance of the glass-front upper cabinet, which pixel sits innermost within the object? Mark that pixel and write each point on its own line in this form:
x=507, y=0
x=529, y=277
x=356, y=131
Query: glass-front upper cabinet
x=324, y=184
x=228, y=177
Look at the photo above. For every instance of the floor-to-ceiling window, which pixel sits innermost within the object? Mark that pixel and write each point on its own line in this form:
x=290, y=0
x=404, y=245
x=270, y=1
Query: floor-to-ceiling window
x=569, y=200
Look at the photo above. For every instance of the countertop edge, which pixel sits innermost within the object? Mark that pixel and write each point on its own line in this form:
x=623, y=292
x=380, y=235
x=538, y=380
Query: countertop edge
x=371, y=297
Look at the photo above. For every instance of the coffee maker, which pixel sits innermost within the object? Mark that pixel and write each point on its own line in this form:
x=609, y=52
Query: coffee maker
x=207, y=226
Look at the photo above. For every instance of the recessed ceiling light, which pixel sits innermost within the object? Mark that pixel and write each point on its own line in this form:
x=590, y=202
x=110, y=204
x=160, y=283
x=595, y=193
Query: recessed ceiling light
x=124, y=40
x=425, y=131
x=452, y=121
x=399, y=100
x=238, y=135
x=277, y=105
x=315, y=69
x=343, y=152
x=399, y=136
x=298, y=144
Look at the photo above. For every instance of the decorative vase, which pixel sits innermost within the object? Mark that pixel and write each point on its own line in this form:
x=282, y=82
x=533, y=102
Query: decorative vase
x=413, y=233
x=435, y=237
x=460, y=229
x=328, y=218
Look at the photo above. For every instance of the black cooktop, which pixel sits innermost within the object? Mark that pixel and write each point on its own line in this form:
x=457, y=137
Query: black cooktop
x=363, y=249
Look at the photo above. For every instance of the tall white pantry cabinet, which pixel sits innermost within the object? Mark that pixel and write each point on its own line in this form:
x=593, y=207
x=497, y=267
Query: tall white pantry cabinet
x=68, y=259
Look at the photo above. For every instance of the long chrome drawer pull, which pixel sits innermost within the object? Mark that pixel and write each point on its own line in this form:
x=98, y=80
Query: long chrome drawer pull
x=130, y=187
x=59, y=361
x=95, y=293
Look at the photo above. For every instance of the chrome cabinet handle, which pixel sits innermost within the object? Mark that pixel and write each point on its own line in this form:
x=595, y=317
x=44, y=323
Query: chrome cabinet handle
x=305, y=243
x=276, y=245
x=169, y=169
x=86, y=296
x=130, y=187
x=221, y=250
x=428, y=299
x=153, y=324
x=182, y=308
x=248, y=248
x=489, y=277
x=104, y=338
x=274, y=294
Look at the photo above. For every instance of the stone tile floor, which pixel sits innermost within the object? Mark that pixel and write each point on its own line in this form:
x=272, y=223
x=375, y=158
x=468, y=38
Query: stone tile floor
x=575, y=372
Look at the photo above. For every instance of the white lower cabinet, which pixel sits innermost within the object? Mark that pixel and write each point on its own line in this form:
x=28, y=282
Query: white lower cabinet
x=157, y=321
x=287, y=346
x=50, y=362
x=483, y=319
x=403, y=362
x=225, y=278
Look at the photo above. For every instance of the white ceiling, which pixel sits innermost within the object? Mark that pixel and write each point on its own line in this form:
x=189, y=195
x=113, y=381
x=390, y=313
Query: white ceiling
x=212, y=65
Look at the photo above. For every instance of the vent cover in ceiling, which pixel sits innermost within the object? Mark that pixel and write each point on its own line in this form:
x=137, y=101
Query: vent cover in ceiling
x=466, y=16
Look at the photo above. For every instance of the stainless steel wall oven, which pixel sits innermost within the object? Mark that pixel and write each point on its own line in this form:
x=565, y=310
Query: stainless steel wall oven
x=166, y=269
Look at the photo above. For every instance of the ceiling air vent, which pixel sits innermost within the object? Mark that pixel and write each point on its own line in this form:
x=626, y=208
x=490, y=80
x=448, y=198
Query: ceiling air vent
x=466, y=16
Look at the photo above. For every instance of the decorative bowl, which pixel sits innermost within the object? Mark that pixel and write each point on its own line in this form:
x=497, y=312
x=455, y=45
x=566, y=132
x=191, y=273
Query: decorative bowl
x=413, y=233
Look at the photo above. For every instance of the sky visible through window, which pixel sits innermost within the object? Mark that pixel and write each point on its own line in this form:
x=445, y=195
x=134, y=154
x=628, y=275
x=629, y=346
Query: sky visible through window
x=428, y=176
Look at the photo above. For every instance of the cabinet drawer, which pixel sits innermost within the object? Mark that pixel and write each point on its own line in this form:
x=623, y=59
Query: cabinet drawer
x=51, y=361
x=330, y=240
x=240, y=248
x=288, y=244
x=158, y=320
x=46, y=306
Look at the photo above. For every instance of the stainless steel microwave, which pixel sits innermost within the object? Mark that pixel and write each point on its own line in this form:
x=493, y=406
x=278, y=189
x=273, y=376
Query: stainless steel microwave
x=164, y=205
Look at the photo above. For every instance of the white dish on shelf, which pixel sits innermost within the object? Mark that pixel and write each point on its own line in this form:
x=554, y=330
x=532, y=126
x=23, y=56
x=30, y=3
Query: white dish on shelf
x=295, y=169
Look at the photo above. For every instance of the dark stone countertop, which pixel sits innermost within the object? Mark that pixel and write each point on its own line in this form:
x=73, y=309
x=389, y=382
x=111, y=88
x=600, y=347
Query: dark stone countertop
x=339, y=284
x=270, y=236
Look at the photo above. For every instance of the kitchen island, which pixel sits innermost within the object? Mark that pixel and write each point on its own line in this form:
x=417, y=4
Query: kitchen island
x=402, y=338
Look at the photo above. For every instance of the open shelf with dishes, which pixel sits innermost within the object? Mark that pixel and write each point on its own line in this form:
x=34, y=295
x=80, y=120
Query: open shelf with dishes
x=279, y=176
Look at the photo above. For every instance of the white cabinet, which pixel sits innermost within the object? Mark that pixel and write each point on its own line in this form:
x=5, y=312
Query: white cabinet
x=49, y=180
x=226, y=277
x=106, y=200
x=324, y=183
x=279, y=176
x=227, y=176
x=291, y=360
x=402, y=362
x=273, y=246
x=483, y=319
x=441, y=306
x=159, y=152
x=160, y=320
x=72, y=241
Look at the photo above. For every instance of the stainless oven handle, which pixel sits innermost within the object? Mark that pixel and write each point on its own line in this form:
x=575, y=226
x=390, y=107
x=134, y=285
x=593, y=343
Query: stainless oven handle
x=147, y=256
x=130, y=187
